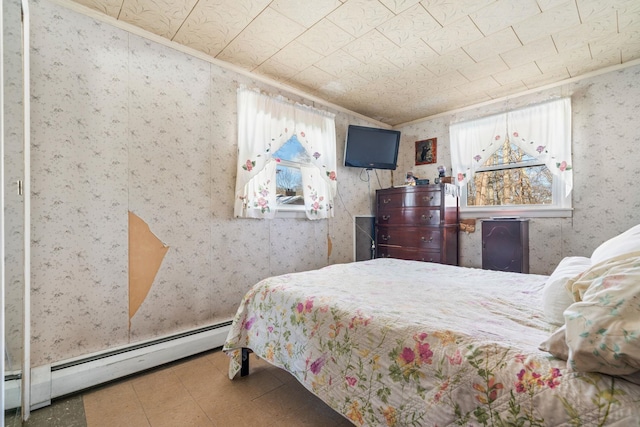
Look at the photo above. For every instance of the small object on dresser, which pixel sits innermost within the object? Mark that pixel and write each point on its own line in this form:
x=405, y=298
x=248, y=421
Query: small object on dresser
x=422, y=182
x=446, y=180
x=410, y=179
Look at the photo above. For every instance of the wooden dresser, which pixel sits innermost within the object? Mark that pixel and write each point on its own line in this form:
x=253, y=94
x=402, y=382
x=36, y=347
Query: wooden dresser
x=418, y=223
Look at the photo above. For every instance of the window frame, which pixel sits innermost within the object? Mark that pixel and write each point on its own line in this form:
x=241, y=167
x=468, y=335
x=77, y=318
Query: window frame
x=286, y=210
x=291, y=211
x=561, y=206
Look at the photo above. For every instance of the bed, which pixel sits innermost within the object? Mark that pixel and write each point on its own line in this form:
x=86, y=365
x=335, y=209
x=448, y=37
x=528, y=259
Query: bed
x=400, y=343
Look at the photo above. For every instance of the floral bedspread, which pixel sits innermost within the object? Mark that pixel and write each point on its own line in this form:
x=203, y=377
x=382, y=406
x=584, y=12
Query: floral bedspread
x=405, y=343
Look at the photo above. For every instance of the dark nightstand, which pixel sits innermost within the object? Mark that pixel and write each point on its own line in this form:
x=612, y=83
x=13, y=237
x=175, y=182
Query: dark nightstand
x=505, y=245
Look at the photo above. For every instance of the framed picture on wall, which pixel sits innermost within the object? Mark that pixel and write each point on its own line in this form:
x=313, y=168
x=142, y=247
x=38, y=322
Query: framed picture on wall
x=426, y=151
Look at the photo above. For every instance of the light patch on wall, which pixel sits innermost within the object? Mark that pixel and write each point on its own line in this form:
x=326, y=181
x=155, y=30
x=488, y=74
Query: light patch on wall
x=146, y=253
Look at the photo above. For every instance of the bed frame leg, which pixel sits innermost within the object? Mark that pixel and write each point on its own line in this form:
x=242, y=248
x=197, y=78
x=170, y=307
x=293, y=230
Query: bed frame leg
x=244, y=367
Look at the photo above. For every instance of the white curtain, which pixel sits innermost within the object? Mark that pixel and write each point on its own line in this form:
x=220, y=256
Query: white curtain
x=473, y=142
x=542, y=131
x=265, y=123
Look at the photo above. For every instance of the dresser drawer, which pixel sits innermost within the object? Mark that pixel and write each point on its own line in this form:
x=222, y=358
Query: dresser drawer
x=409, y=198
x=390, y=200
x=409, y=216
x=423, y=198
x=412, y=254
x=416, y=237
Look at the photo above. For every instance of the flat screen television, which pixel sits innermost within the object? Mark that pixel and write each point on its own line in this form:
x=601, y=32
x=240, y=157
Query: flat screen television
x=371, y=148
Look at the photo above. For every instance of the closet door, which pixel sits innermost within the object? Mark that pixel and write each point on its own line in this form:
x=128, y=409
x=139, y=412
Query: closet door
x=14, y=84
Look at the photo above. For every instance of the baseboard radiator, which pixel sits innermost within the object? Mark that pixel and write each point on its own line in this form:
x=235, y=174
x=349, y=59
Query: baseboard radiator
x=51, y=381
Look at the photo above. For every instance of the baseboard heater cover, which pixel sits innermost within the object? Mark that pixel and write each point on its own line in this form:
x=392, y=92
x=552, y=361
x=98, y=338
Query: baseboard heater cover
x=52, y=381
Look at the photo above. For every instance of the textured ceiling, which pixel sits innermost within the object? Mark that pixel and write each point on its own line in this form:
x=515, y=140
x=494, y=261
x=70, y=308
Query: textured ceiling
x=399, y=60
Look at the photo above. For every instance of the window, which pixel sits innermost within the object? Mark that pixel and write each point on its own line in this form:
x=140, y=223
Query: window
x=515, y=164
x=289, y=190
x=286, y=158
x=511, y=177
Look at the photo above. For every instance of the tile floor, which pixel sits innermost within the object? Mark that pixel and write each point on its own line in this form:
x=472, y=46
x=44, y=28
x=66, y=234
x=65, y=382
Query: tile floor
x=193, y=392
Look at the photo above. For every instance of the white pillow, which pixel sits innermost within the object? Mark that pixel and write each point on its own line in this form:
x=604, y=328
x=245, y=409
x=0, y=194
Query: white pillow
x=624, y=243
x=555, y=296
x=602, y=328
x=556, y=344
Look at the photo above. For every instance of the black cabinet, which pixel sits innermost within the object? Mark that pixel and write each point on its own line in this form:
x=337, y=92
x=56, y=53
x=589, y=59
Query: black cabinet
x=505, y=245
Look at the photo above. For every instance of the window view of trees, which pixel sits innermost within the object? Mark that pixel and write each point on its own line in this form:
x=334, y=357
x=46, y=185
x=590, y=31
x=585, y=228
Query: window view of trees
x=510, y=177
x=288, y=177
x=288, y=180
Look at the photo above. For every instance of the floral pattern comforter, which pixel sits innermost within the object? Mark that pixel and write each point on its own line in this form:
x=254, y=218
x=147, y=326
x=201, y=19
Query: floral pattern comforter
x=406, y=343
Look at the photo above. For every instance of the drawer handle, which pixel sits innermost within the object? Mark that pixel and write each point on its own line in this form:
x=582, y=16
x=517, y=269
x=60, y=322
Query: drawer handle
x=385, y=201
x=424, y=239
x=386, y=217
x=424, y=260
x=425, y=198
x=385, y=238
x=424, y=217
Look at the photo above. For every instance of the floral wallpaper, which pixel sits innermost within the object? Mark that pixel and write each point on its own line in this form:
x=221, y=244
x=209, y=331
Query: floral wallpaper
x=119, y=124
x=605, y=166
x=169, y=175
x=13, y=166
x=80, y=185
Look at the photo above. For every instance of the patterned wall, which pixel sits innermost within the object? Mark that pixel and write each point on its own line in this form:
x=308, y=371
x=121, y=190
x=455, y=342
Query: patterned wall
x=121, y=123
x=13, y=171
x=606, y=162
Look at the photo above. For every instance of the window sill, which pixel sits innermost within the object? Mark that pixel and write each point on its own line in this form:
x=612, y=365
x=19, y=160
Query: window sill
x=487, y=212
x=291, y=212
